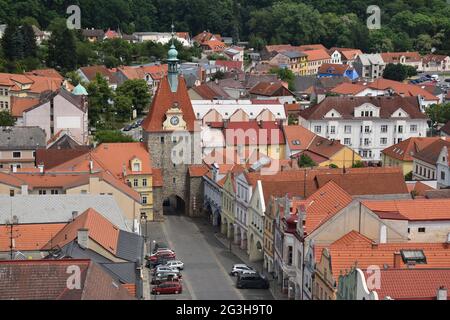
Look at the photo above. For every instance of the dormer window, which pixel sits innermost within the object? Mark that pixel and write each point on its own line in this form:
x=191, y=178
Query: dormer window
x=136, y=167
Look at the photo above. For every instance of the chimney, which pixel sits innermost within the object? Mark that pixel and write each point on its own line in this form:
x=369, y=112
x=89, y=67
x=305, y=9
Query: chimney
x=24, y=189
x=83, y=238
x=91, y=166
x=74, y=215
x=442, y=293
x=397, y=260
x=41, y=168
x=14, y=168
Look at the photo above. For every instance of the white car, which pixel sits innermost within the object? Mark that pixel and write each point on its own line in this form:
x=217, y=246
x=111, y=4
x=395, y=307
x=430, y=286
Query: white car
x=175, y=264
x=164, y=269
x=241, y=269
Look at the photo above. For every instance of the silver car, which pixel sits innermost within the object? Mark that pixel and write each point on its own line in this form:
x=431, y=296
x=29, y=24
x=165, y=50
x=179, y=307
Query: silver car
x=242, y=269
x=175, y=264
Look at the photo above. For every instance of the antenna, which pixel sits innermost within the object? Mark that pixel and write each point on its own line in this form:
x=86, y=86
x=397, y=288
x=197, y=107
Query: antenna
x=173, y=32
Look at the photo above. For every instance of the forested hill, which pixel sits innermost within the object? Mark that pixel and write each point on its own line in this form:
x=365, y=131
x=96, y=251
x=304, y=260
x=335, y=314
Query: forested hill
x=406, y=24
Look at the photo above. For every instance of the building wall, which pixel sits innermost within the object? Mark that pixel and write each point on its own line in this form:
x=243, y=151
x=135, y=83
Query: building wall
x=129, y=206
x=26, y=160
x=435, y=231
x=423, y=170
x=5, y=99
x=407, y=166
x=346, y=157
x=144, y=190
x=374, y=137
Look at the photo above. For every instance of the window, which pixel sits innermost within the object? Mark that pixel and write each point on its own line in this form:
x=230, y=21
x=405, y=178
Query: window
x=17, y=154
x=421, y=230
x=383, y=141
x=162, y=139
x=144, y=199
x=332, y=129
x=413, y=256
x=442, y=175
x=366, y=141
x=136, y=167
x=174, y=180
x=54, y=192
x=11, y=193
x=317, y=129
x=399, y=140
x=367, y=129
x=289, y=257
x=144, y=182
x=348, y=129
x=400, y=129
x=42, y=192
x=413, y=128
x=347, y=141
x=384, y=128
x=135, y=182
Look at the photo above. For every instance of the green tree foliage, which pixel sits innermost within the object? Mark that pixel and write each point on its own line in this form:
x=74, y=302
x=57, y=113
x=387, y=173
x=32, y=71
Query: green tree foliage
x=395, y=72
x=137, y=92
x=111, y=136
x=100, y=95
x=62, y=50
x=358, y=164
x=6, y=120
x=306, y=162
x=285, y=75
x=438, y=113
x=123, y=107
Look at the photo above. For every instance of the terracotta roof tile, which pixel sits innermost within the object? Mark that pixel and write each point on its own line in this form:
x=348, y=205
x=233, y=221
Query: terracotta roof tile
x=197, y=170
x=430, y=153
x=164, y=100
x=99, y=228
x=298, y=137
x=394, y=57
x=406, y=149
x=414, y=210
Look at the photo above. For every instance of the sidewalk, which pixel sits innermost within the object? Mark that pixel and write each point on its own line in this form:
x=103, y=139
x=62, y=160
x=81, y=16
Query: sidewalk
x=258, y=266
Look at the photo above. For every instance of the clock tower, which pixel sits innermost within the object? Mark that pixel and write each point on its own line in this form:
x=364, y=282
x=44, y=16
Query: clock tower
x=171, y=116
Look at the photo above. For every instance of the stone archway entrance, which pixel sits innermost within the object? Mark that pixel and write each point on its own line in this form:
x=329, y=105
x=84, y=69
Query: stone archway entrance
x=174, y=205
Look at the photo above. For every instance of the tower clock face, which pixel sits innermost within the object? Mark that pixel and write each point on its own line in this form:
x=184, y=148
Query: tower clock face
x=174, y=121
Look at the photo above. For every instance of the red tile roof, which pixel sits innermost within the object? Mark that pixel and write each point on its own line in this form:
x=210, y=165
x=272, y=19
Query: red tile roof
x=412, y=284
x=353, y=249
x=347, y=88
x=91, y=72
x=394, y=57
x=430, y=153
x=270, y=89
x=28, y=237
x=317, y=54
x=47, y=280
x=198, y=170
x=332, y=68
x=413, y=210
x=100, y=230
x=300, y=134
x=230, y=64
x=324, y=204
x=446, y=127
x=406, y=149
x=164, y=100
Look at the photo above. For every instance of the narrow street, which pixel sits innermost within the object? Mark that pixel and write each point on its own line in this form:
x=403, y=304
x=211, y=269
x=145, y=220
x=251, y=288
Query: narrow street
x=207, y=261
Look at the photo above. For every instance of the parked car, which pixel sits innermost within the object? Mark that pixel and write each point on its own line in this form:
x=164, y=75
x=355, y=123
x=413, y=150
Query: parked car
x=175, y=264
x=128, y=128
x=240, y=268
x=164, y=277
x=170, y=287
x=252, y=281
x=168, y=254
x=447, y=80
x=163, y=268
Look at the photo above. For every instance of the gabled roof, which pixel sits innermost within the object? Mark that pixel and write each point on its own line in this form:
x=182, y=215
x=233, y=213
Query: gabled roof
x=433, y=58
x=91, y=72
x=394, y=57
x=346, y=106
x=373, y=183
x=412, y=284
x=270, y=89
x=406, y=149
x=317, y=54
x=298, y=137
x=334, y=69
x=324, y=204
x=198, y=170
x=413, y=210
x=430, y=154
x=47, y=280
x=164, y=100
x=19, y=105
x=100, y=230
x=210, y=91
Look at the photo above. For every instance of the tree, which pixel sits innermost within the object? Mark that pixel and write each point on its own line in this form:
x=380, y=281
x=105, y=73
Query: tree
x=123, y=107
x=358, y=164
x=396, y=72
x=138, y=92
x=333, y=166
x=438, y=113
x=285, y=75
x=111, y=136
x=12, y=43
x=62, y=50
x=100, y=95
x=306, y=162
x=29, y=41
x=219, y=75
x=6, y=119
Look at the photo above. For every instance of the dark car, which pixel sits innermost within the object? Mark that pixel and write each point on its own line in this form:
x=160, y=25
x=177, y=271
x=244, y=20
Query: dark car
x=128, y=128
x=159, y=246
x=447, y=80
x=172, y=287
x=252, y=281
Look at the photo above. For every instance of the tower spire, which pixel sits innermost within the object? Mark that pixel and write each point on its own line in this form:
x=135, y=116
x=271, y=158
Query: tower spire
x=172, y=62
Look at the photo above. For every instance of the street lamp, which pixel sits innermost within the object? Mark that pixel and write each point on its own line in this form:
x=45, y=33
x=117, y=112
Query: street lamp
x=152, y=246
